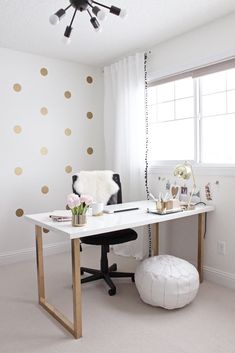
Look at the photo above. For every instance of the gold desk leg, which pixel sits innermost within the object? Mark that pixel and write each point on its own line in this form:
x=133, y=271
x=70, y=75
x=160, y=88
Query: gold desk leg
x=74, y=328
x=155, y=239
x=77, y=316
x=40, y=265
x=200, y=253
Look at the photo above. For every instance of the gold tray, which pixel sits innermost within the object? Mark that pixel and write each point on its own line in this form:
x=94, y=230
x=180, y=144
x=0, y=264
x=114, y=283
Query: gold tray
x=173, y=210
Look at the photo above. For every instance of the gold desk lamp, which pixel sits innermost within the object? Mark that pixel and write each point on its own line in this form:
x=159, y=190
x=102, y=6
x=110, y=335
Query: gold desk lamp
x=185, y=171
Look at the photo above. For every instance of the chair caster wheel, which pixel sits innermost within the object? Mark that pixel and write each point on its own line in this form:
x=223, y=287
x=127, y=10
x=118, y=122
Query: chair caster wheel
x=112, y=292
x=133, y=278
x=115, y=267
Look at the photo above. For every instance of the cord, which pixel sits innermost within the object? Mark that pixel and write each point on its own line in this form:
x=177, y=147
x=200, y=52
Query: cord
x=147, y=143
x=204, y=204
x=200, y=203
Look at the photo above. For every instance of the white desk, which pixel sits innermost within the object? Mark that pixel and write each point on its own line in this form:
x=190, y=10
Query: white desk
x=99, y=225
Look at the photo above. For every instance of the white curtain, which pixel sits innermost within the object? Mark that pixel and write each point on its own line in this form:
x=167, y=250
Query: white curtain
x=124, y=133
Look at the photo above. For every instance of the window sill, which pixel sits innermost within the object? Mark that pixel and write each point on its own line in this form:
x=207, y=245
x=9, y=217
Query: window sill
x=203, y=169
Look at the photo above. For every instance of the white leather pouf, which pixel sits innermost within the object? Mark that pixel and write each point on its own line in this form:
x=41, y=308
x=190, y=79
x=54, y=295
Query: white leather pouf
x=166, y=281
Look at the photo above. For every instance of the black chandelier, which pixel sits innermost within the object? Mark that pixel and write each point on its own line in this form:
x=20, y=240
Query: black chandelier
x=92, y=9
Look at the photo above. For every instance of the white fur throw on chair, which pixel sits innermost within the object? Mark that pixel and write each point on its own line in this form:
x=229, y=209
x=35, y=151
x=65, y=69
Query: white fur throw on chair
x=98, y=183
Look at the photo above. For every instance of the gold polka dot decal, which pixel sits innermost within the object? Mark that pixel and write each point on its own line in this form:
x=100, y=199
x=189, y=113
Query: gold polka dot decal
x=17, y=129
x=89, y=115
x=89, y=79
x=68, y=169
x=45, y=230
x=44, y=111
x=44, y=189
x=17, y=87
x=19, y=212
x=68, y=132
x=90, y=150
x=44, y=71
x=67, y=94
x=18, y=171
x=43, y=151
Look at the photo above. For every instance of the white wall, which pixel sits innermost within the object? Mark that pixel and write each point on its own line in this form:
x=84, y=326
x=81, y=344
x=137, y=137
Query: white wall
x=23, y=150
x=209, y=43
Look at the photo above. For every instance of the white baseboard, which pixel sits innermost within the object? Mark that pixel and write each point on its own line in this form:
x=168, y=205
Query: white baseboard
x=11, y=257
x=225, y=279
x=211, y=274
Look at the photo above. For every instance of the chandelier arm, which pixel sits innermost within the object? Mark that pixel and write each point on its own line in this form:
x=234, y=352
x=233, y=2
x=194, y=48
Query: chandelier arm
x=98, y=3
x=89, y=3
x=67, y=7
x=89, y=13
x=74, y=14
x=94, y=21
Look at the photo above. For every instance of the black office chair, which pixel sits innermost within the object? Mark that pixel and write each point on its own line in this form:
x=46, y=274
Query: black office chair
x=107, y=272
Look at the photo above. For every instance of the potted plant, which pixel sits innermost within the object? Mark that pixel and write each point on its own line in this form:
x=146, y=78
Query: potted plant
x=79, y=206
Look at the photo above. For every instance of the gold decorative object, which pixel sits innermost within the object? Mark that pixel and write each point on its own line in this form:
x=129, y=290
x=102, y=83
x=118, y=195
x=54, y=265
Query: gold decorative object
x=44, y=111
x=19, y=212
x=67, y=94
x=68, y=132
x=79, y=220
x=18, y=171
x=44, y=189
x=185, y=171
x=174, y=191
x=43, y=151
x=89, y=115
x=164, y=206
x=17, y=87
x=17, y=129
x=90, y=150
x=44, y=71
x=68, y=169
x=89, y=79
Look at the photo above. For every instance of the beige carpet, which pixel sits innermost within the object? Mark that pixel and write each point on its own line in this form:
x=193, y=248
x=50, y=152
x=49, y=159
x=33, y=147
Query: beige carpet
x=119, y=324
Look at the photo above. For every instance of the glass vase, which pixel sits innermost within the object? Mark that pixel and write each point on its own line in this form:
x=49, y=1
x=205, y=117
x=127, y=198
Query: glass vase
x=79, y=220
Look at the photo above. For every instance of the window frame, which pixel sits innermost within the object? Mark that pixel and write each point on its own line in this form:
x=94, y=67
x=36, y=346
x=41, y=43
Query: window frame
x=200, y=167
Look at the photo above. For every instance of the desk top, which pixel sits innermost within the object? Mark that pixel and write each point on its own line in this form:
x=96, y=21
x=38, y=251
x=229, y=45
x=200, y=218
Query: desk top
x=115, y=221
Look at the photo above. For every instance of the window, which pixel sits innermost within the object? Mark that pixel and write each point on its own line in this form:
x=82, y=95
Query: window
x=193, y=119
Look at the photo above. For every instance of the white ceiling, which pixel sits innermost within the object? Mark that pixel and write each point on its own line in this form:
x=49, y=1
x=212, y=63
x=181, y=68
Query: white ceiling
x=24, y=26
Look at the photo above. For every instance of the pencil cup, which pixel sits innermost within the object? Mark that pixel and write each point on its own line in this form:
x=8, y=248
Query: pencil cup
x=161, y=206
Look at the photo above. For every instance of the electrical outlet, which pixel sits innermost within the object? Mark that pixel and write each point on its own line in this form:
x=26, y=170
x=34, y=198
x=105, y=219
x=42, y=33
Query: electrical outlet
x=221, y=247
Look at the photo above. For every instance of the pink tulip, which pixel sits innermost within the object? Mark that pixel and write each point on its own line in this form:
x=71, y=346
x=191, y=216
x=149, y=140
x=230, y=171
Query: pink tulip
x=73, y=200
x=79, y=205
x=87, y=199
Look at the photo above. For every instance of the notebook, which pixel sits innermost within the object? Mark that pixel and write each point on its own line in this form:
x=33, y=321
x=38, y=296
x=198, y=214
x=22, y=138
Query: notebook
x=61, y=215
